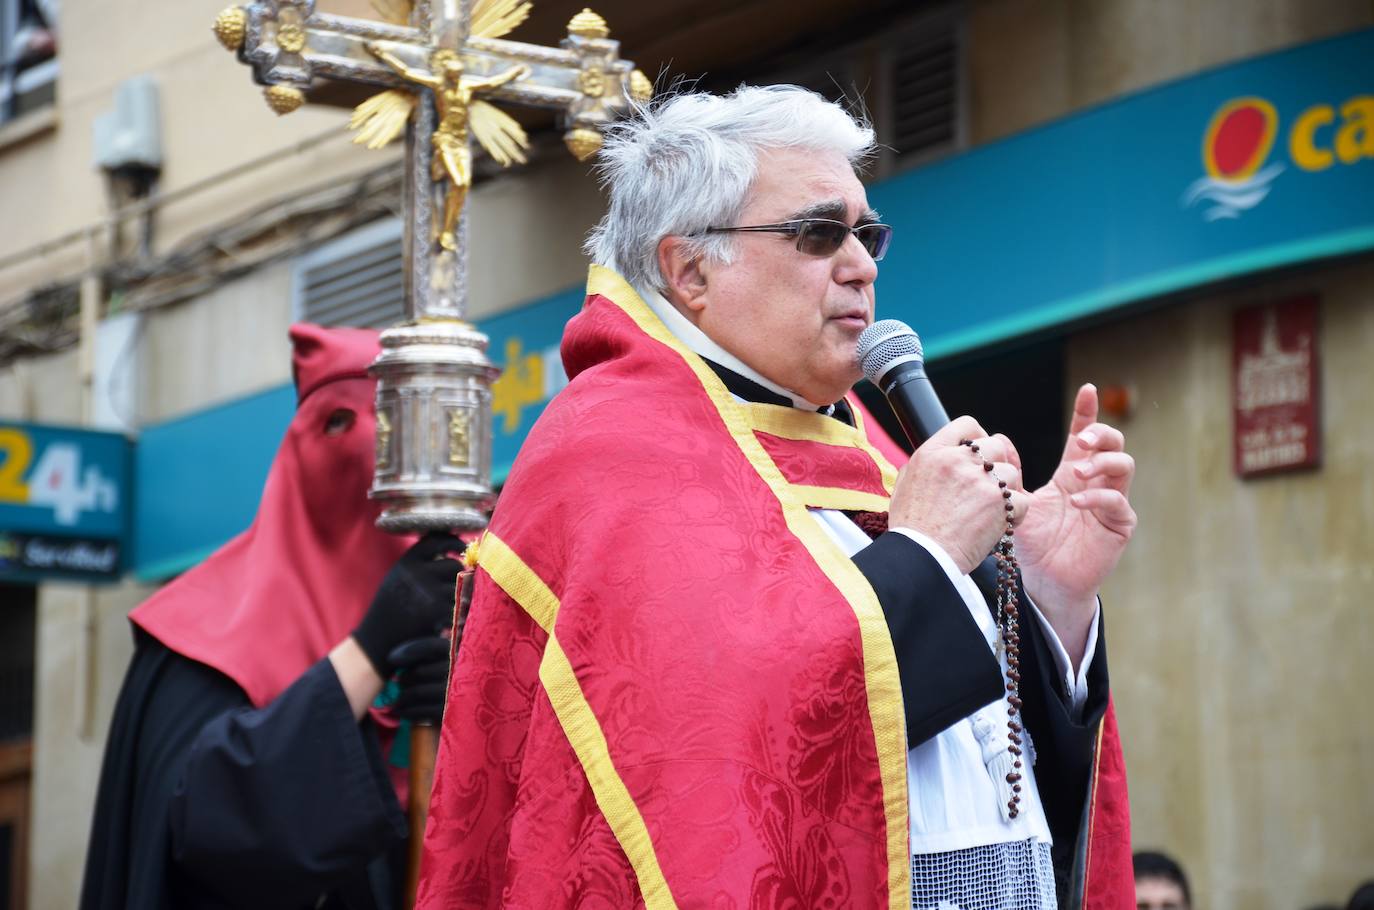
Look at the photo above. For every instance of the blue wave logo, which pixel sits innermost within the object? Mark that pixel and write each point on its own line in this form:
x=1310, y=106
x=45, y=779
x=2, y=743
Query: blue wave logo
x=1228, y=198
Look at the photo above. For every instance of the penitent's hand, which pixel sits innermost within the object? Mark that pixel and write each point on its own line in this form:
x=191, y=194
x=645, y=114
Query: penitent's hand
x=945, y=493
x=416, y=599
x=1079, y=524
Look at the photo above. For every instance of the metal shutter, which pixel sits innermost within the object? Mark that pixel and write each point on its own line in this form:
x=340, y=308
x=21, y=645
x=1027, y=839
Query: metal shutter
x=357, y=280
x=925, y=110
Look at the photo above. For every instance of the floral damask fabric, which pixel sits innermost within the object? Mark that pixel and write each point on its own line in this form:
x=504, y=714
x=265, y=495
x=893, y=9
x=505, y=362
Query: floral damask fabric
x=664, y=696
x=674, y=690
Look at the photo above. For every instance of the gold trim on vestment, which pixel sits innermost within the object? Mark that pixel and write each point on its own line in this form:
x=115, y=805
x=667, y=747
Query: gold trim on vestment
x=880, y=661
x=579, y=723
x=1092, y=807
x=811, y=426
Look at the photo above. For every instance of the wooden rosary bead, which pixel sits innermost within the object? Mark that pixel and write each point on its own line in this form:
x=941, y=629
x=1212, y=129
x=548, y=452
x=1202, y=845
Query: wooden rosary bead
x=1008, y=611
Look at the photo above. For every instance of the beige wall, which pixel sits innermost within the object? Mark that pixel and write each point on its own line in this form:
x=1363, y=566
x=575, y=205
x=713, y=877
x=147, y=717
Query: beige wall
x=213, y=119
x=84, y=645
x=527, y=234
x=42, y=389
x=1032, y=61
x=1239, y=620
x=224, y=345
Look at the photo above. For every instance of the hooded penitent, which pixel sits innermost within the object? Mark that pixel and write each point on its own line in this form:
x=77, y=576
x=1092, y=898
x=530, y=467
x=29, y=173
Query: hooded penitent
x=279, y=596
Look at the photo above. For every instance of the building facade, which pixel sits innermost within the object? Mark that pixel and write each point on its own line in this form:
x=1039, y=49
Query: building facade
x=1163, y=198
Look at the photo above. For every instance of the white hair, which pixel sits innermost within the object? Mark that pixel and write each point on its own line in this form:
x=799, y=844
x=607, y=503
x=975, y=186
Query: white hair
x=686, y=163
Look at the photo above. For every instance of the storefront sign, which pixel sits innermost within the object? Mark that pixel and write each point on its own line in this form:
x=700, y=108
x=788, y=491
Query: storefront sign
x=1275, y=388
x=63, y=501
x=1258, y=165
x=35, y=555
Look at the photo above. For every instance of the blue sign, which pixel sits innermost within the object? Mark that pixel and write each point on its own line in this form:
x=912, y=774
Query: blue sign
x=525, y=343
x=200, y=478
x=64, y=500
x=1253, y=166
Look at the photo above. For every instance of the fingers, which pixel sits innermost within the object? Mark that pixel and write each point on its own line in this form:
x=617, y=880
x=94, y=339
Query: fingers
x=998, y=448
x=434, y=545
x=434, y=671
x=959, y=428
x=1115, y=469
x=419, y=651
x=1020, y=504
x=422, y=703
x=1008, y=473
x=1109, y=506
x=1100, y=437
x=1084, y=409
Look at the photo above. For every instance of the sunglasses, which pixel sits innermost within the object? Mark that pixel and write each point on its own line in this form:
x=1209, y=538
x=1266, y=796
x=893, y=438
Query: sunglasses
x=823, y=236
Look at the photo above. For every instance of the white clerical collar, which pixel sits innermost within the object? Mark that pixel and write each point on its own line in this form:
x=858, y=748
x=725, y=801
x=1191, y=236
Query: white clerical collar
x=699, y=343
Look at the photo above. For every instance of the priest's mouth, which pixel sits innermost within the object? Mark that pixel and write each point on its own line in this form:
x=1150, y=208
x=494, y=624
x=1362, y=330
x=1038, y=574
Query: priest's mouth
x=857, y=320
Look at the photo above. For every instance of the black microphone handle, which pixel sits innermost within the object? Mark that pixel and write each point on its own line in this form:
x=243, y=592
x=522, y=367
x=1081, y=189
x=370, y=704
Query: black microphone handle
x=915, y=403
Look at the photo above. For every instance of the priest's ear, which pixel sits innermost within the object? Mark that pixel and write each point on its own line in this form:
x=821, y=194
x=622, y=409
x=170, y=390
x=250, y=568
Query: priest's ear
x=680, y=261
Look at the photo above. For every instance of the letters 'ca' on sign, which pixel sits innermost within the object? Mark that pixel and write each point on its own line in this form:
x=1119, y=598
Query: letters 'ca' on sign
x=1274, y=382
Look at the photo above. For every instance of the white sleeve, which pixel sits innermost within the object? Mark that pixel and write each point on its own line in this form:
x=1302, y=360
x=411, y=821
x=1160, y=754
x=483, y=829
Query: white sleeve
x=1074, y=686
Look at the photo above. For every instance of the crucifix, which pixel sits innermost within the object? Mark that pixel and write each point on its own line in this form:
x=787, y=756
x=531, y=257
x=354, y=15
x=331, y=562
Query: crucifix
x=440, y=65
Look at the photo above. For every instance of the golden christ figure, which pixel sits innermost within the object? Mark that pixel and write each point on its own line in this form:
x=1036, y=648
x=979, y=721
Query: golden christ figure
x=454, y=96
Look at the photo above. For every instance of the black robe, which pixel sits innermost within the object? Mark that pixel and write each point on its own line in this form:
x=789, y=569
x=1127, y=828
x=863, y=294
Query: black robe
x=208, y=802
x=947, y=670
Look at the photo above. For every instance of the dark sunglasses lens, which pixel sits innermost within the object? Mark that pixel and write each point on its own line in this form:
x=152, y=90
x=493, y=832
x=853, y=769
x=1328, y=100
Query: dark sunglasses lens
x=821, y=238
x=876, y=238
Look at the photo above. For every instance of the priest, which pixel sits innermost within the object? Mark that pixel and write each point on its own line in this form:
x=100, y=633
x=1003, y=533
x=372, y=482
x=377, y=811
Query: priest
x=722, y=652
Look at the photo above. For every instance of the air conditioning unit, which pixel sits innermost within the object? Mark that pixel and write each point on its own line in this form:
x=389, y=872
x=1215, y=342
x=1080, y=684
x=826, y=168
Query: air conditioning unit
x=129, y=138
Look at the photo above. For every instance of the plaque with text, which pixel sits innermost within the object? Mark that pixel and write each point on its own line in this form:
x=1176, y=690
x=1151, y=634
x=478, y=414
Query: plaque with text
x=1274, y=382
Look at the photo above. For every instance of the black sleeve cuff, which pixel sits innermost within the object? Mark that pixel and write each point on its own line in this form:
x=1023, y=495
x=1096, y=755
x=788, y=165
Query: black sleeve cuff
x=946, y=669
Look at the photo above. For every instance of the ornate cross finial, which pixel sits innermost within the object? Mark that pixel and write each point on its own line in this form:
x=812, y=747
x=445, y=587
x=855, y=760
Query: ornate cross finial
x=442, y=67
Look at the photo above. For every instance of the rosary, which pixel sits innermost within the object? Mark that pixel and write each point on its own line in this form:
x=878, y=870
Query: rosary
x=1008, y=620
x=1008, y=636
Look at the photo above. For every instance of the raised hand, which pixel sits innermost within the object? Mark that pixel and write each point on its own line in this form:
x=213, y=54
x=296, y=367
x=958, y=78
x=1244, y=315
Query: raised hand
x=1078, y=524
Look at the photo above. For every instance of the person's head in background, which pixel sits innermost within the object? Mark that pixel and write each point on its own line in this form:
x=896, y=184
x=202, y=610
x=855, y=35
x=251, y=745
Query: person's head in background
x=1159, y=882
x=1363, y=898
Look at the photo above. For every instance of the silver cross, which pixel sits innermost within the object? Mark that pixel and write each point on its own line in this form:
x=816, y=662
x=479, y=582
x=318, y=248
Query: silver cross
x=433, y=466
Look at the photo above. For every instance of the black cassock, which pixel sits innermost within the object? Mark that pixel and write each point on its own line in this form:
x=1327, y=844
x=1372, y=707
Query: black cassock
x=208, y=802
x=947, y=670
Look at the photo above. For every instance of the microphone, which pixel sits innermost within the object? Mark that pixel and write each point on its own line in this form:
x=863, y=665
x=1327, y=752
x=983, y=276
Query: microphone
x=891, y=358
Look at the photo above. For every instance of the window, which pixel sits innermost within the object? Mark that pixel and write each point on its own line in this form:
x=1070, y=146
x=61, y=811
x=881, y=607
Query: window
x=28, y=55
x=356, y=280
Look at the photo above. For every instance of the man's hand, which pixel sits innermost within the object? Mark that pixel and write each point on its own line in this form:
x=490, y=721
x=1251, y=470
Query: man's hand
x=1078, y=524
x=945, y=493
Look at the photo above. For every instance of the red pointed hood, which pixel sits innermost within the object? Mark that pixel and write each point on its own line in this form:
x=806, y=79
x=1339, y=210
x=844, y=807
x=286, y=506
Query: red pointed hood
x=279, y=596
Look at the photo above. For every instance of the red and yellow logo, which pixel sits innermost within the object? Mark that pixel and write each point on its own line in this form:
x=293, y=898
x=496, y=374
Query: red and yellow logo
x=1241, y=135
x=1239, y=138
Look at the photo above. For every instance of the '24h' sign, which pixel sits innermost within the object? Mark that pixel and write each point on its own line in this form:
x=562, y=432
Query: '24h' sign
x=63, y=502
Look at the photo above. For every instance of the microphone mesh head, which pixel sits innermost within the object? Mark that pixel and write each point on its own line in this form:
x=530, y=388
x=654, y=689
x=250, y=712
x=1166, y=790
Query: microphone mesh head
x=885, y=342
